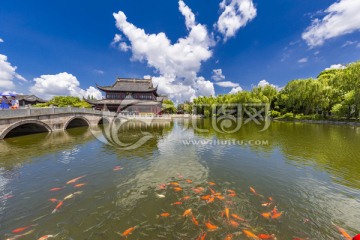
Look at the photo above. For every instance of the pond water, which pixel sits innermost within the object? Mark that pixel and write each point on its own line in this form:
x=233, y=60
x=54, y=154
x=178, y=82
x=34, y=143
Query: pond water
x=304, y=178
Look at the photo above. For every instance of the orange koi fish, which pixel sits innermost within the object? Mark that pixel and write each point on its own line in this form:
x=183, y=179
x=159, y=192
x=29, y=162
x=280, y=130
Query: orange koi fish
x=266, y=215
x=53, y=200
x=230, y=191
x=165, y=214
x=206, y=197
x=212, y=191
x=75, y=179
x=177, y=189
x=250, y=234
x=237, y=217
x=174, y=184
x=233, y=223
x=58, y=206
x=254, y=192
x=19, y=230
x=201, y=236
x=198, y=190
x=210, y=200
x=193, y=219
x=187, y=212
x=220, y=197
x=277, y=215
x=176, y=203
x=46, y=237
x=128, y=231
x=55, y=189
x=188, y=181
x=344, y=233
x=232, y=194
x=79, y=185
x=210, y=226
x=227, y=213
x=186, y=198
x=211, y=183
x=228, y=237
x=265, y=236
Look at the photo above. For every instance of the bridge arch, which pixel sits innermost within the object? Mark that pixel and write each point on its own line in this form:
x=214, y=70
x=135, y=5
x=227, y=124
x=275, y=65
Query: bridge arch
x=77, y=121
x=25, y=127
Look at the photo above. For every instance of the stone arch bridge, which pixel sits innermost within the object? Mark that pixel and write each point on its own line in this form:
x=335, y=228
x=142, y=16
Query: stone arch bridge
x=34, y=120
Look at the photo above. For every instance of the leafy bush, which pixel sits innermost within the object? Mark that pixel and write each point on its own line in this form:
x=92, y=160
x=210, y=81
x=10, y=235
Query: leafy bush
x=288, y=116
x=275, y=114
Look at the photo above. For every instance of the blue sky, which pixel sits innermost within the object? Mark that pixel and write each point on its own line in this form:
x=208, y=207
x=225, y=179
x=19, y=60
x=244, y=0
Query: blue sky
x=65, y=47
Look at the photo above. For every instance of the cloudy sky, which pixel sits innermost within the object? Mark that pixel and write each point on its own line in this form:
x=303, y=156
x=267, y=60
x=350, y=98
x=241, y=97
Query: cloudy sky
x=189, y=48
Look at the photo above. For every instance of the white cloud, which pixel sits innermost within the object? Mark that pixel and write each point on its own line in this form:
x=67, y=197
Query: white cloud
x=1, y=40
x=119, y=43
x=177, y=63
x=61, y=84
x=236, y=14
x=227, y=84
x=263, y=83
x=98, y=71
x=217, y=75
x=8, y=74
x=342, y=18
x=235, y=90
x=336, y=66
x=349, y=43
x=303, y=60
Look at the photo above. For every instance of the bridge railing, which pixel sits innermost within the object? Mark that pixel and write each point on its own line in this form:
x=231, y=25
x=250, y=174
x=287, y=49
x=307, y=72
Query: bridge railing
x=28, y=112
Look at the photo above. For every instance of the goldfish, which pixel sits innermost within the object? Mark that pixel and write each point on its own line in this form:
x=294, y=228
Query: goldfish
x=187, y=212
x=117, y=168
x=254, y=192
x=19, y=230
x=55, y=189
x=165, y=214
x=210, y=226
x=75, y=179
x=265, y=236
x=227, y=213
x=175, y=184
x=128, y=231
x=344, y=233
x=176, y=203
x=233, y=223
x=53, y=200
x=266, y=215
x=58, y=206
x=177, y=189
x=186, y=198
x=206, y=197
x=237, y=217
x=201, y=236
x=211, y=183
x=228, y=237
x=193, y=219
x=79, y=185
x=188, y=181
x=250, y=234
x=46, y=237
x=277, y=215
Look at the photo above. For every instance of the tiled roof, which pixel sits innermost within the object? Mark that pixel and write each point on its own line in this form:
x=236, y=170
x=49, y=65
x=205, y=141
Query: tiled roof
x=125, y=102
x=30, y=98
x=130, y=85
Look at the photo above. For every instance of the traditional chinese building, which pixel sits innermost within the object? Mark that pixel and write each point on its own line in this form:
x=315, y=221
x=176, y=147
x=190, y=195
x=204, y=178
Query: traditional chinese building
x=130, y=96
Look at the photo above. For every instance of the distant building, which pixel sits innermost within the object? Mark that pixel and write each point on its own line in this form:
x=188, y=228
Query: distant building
x=29, y=100
x=132, y=96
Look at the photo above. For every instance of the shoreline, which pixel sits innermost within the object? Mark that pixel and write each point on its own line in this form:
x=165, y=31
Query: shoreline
x=327, y=122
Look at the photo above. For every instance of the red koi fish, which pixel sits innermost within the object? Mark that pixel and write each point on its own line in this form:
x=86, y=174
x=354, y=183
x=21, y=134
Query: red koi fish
x=265, y=236
x=210, y=200
x=19, y=230
x=176, y=203
x=75, y=180
x=233, y=223
x=177, y=189
x=117, y=168
x=53, y=200
x=201, y=236
x=210, y=226
x=206, y=197
x=79, y=185
x=55, y=189
x=193, y=219
x=198, y=190
x=232, y=194
x=46, y=237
